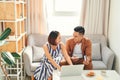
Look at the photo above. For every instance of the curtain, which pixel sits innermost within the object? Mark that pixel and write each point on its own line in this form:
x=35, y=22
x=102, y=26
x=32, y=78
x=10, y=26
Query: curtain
x=36, y=18
x=0, y=28
x=95, y=16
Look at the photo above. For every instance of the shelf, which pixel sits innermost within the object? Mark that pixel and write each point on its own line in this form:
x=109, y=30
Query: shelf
x=13, y=1
x=16, y=38
x=17, y=28
x=15, y=46
x=15, y=71
x=11, y=11
x=13, y=15
x=13, y=68
x=21, y=19
x=17, y=74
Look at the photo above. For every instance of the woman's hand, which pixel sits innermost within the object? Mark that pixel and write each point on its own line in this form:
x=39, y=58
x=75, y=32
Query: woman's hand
x=59, y=68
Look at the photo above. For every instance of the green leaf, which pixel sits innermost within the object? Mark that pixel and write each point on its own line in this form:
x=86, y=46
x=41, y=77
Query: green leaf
x=2, y=42
x=5, y=33
x=7, y=58
x=15, y=55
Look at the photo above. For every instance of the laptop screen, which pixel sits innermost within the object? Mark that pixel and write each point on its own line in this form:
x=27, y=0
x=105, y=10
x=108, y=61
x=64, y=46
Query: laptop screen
x=71, y=70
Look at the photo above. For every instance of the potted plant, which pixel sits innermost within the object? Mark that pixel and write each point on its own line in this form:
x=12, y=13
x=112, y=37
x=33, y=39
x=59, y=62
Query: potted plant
x=6, y=57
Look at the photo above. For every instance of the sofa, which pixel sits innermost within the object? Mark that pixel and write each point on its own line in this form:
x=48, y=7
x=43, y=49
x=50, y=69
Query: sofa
x=102, y=56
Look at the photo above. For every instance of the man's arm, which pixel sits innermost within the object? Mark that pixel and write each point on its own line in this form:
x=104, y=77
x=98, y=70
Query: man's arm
x=88, y=52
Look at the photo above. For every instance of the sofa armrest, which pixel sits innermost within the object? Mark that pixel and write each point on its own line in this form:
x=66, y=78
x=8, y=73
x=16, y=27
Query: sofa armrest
x=27, y=56
x=107, y=57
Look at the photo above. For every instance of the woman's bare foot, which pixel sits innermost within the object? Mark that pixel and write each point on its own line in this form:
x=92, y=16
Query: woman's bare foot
x=32, y=78
x=50, y=78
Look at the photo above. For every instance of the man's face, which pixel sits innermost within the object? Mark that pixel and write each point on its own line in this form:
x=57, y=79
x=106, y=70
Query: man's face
x=77, y=37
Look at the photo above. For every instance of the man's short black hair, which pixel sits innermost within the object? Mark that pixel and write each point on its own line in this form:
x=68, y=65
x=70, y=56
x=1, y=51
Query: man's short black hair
x=79, y=29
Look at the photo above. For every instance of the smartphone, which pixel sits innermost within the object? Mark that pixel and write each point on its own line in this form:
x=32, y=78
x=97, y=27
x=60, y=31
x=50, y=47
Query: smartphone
x=85, y=58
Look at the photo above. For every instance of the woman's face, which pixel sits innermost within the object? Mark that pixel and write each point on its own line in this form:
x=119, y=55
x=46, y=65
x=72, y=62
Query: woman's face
x=77, y=37
x=58, y=39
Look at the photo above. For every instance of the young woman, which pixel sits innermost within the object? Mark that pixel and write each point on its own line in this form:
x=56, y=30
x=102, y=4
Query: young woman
x=54, y=51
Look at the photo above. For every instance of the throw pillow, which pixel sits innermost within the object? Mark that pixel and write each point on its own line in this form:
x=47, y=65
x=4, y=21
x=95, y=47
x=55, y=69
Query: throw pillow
x=38, y=53
x=96, y=55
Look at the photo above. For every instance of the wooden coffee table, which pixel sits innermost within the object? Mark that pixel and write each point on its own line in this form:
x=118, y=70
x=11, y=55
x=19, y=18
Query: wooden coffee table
x=99, y=75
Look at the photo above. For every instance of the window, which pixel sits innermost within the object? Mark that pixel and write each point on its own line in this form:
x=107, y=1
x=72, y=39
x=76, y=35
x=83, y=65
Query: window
x=67, y=5
x=63, y=15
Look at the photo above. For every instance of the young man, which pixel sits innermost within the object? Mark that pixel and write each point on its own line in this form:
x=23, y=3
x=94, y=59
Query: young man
x=79, y=49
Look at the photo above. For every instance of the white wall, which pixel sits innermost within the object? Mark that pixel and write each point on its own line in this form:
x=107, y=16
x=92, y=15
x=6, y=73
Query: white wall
x=114, y=31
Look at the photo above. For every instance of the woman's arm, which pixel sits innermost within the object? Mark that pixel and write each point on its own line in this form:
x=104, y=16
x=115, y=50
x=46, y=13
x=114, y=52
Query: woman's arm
x=50, y=58
x=66, y=56
x=68, y=48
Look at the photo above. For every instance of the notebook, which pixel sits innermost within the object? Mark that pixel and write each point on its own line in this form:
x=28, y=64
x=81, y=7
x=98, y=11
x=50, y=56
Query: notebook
x=71, y=72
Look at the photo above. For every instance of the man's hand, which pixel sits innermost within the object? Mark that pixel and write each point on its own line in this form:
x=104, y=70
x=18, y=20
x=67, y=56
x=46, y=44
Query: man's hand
x=74, y=59
x=86, y=61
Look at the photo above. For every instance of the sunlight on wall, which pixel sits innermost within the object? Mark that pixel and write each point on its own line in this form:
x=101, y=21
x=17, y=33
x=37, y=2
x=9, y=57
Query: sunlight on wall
x=114, y=31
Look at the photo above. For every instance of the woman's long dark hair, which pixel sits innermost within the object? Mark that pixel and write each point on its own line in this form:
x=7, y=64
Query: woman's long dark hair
x=52, y=37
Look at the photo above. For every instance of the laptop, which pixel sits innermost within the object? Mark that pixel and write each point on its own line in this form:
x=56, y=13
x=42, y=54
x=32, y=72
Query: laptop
x=71, y=72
